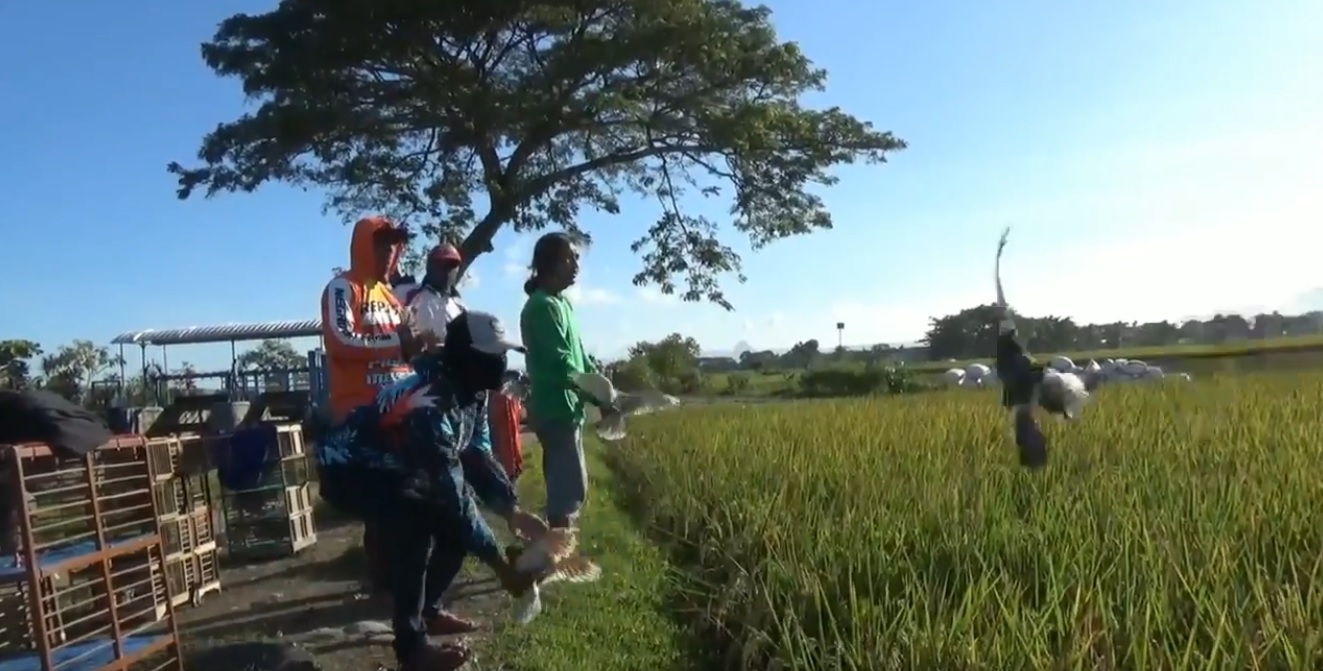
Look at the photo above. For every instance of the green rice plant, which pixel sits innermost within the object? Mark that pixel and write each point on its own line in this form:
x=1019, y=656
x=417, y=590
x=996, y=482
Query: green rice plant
x=1174, y=528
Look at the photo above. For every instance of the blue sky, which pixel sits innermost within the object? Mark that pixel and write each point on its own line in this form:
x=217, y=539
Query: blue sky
x=1157, y=160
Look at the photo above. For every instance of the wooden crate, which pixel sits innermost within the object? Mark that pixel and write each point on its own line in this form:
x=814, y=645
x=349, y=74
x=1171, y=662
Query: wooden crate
x=190, y=576
x=188, y=533
x=192, y=455
x=289, y=440
x=181, y=495
x=271, y=537
x=161, y=452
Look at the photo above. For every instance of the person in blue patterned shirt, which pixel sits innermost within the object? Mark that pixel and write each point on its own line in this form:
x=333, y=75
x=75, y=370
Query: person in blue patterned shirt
x=410, y=463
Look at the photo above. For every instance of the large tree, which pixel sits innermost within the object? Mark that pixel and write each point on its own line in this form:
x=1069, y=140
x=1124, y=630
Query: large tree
x=468, y=115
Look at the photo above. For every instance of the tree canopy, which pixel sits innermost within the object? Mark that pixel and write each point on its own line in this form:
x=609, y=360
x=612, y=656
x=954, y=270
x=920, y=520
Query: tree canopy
x=271, y=355
x=462, y=117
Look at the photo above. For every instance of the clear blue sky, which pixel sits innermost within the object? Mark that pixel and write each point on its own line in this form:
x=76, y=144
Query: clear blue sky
x=1157, y=160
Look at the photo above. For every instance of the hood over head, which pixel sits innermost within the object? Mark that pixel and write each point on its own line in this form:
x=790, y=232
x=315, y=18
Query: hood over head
x=362, y=258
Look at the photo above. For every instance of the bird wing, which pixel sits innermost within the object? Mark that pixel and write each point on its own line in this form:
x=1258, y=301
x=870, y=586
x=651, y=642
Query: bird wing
x=541, y=557
x=528, y=526
x=597, y=386
x=644, y=402
x=560, y=544
x=1001, y=246
x=576, y=570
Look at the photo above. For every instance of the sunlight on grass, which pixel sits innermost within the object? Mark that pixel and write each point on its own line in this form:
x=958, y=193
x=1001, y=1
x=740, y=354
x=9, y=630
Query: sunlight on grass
x=620, y=622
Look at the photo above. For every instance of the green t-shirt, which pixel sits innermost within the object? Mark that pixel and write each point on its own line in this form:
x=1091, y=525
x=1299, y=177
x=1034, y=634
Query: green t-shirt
x=555, y=353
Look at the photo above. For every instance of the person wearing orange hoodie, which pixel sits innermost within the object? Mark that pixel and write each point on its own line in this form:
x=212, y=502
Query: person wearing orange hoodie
x=360, y=315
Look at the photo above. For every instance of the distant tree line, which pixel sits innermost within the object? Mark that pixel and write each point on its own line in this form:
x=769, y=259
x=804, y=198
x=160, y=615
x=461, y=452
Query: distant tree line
x=971, y=333
x=87, y=373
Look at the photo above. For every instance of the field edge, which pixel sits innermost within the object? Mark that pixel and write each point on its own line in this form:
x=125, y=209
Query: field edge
x=625, y=621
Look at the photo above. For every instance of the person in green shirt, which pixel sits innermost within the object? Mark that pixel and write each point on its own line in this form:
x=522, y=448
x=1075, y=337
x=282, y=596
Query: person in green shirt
x=555, y=354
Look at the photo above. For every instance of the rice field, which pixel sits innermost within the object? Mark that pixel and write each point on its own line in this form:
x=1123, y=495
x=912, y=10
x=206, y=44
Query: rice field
x=1175, y=528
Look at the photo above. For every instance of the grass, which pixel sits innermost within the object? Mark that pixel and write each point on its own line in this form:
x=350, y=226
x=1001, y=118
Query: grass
x=1175, y=529
x=621, y=623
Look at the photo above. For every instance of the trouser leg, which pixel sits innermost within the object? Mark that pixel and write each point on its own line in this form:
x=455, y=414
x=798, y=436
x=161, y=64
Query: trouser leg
x=564, y=469
x=409, y=545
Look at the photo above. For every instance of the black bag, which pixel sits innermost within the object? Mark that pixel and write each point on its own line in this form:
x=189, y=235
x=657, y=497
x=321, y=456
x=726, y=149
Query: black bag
x=39, y=416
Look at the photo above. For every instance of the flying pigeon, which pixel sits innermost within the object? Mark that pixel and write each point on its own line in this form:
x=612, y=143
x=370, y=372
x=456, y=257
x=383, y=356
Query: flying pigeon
x=612, y=425
x=550, y=556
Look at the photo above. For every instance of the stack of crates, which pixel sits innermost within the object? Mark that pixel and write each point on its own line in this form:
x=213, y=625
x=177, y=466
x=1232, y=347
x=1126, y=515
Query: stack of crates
x=82, y=589
x=182, y=498
x=270, y=516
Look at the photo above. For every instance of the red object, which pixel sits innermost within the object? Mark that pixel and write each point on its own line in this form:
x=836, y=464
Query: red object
x=504, y=414
x=445, y=252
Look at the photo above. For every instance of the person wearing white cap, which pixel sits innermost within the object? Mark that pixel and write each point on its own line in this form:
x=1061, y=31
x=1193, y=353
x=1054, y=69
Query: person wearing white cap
x=398, y=462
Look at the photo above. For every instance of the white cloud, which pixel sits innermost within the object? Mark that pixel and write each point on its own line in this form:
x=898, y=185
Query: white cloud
x=582, y=295
x=655, y=297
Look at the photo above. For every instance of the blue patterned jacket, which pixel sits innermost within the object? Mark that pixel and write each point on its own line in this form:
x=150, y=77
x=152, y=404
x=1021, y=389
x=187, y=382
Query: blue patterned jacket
x=414, y=451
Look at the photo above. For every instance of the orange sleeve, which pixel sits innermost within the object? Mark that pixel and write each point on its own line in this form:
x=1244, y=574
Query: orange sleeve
x=342, y=302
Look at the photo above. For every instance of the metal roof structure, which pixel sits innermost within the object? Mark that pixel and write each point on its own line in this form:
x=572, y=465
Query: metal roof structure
x=197, y=335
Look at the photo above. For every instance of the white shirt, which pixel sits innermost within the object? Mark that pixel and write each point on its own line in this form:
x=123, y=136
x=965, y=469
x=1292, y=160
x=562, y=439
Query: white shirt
x=432, y=311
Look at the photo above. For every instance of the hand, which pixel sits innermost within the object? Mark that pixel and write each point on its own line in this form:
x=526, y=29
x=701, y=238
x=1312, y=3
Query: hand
x=512, y=581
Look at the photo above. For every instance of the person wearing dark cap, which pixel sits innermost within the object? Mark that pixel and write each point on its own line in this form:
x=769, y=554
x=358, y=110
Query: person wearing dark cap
x=435, y=301
x=398, y=462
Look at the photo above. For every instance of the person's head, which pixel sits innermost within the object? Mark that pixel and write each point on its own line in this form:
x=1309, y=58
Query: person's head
x=476, y=351
x=555, y=264
x=375, y=248
x=443, y=268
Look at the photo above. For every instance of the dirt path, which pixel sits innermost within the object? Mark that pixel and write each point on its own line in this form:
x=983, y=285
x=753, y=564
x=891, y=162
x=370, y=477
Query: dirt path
x=311, y=601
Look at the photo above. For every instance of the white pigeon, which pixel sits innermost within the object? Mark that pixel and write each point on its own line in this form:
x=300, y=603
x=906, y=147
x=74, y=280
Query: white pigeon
x=549, y=557
x=612, y=425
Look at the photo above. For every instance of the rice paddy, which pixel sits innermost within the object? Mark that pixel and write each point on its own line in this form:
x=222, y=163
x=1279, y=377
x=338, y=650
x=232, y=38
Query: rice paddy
x=1173, y=529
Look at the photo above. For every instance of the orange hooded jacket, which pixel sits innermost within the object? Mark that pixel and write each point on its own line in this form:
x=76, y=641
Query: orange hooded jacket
x=359, y=317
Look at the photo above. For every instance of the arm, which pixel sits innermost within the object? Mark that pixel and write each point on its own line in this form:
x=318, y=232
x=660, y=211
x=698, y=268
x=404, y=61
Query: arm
x=345, y=337
x=484, y=473
x=433, y=448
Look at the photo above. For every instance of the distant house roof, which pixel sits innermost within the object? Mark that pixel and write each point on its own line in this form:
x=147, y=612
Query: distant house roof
x=196, y=335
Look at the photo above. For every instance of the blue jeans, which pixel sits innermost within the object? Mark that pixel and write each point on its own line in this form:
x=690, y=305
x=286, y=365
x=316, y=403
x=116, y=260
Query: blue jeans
x=564, y=469
x=424, y=561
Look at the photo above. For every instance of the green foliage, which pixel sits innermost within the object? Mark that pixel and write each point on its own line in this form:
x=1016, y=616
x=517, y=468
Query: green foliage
x=71, y=370
x=971, y=333
x=737, y=383
x=834, y=382
x=271, y=355
x=541, y=110
x=671, y=364
x=14, y=368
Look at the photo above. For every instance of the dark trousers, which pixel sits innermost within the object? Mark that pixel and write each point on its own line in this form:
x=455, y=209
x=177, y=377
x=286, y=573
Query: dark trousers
x=422, y=562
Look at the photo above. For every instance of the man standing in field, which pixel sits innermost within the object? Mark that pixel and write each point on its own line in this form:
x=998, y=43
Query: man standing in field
x=360, y=315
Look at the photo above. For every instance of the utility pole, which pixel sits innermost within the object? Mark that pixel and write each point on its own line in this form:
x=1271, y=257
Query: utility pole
x=840, y=335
